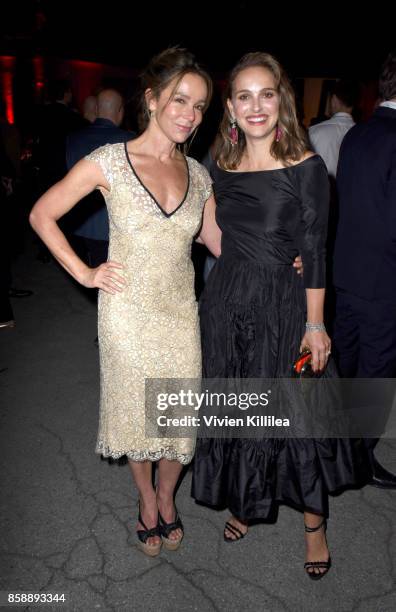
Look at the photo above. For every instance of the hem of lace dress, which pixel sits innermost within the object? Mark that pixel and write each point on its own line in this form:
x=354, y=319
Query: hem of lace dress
x=145, y=455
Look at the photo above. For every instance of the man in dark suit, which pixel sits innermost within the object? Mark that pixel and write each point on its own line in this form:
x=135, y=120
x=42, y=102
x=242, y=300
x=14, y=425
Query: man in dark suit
x=365, y=250
x=55, y=121
x=90, y=218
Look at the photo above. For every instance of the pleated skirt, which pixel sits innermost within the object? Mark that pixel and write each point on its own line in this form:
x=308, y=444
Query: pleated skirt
x=252, y=320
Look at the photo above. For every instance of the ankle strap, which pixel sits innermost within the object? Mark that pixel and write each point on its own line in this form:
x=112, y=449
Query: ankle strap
x=313, y=529
x=141, y=522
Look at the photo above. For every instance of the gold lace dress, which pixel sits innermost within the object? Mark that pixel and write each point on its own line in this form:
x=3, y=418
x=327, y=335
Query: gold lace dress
x=150, y=329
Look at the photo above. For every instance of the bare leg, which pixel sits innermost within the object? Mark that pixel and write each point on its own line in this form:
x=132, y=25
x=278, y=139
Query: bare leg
x=168, y=475
x=142, y=475
x=316, y=545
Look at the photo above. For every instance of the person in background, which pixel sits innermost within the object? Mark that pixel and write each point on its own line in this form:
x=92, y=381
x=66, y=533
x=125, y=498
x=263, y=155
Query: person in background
x=365, y=251
x=326, y=137
x=7, y=291
x=55, y=121
x=90, y=108
x=90, y=219
x=6, y=179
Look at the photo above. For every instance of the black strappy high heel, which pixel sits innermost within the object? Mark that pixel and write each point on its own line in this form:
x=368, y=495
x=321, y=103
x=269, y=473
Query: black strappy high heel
x=235, y=531
x=326, y=565
x=152, y=550
x=166, y=528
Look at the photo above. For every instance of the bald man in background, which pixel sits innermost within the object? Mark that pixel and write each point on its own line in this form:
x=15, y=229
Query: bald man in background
x=90, y=109
x=90, y=218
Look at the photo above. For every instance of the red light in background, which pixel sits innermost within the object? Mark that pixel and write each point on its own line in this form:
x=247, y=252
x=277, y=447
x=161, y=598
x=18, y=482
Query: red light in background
x=86, y=78
x=38, y=69
x=7, y=64
x=6, y=87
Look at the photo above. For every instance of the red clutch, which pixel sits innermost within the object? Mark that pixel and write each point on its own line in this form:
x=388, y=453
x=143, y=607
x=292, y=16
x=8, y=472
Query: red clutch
x=302, y=367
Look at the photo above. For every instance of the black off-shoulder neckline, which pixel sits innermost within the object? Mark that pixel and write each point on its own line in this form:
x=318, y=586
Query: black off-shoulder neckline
x=314, y=156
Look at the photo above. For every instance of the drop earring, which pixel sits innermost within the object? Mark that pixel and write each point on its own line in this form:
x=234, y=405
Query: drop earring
x=233, y=132
x=278, y=133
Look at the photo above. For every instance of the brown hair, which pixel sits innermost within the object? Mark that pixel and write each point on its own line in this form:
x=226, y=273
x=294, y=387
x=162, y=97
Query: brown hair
x=293, y=143
x=173, y=63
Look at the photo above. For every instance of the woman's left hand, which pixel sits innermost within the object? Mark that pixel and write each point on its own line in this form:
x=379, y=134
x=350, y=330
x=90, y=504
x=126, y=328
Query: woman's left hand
x=319, y=344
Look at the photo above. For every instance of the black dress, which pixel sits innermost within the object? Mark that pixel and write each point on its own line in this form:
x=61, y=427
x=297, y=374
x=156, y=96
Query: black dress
x=253, y=314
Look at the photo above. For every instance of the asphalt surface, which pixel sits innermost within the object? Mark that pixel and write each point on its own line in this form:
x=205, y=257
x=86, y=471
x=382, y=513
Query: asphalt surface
x=67, y=518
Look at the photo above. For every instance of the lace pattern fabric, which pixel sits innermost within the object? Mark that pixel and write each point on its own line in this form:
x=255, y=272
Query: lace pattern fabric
x=150, y=329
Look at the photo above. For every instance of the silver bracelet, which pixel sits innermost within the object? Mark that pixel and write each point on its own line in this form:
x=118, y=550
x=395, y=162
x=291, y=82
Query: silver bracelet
x=312, y=327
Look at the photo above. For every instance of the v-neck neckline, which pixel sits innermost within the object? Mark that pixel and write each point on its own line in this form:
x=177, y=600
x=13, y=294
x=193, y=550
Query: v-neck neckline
x=164, y=212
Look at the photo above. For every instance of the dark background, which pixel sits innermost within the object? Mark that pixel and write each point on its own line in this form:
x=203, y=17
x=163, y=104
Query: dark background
x=323, y=40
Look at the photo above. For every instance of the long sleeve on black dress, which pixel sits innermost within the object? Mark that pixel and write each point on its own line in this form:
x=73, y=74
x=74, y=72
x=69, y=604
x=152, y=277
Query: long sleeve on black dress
x=314, y=192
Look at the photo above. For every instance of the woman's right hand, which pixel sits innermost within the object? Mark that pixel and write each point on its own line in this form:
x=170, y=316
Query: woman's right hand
x=104, y=277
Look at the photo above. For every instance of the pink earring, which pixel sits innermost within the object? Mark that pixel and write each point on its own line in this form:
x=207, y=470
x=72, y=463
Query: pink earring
x=278, y=133
x=233, y=132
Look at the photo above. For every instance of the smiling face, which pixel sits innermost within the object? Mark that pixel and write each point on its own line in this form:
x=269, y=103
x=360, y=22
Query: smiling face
x=255, y=102
x=177, y=112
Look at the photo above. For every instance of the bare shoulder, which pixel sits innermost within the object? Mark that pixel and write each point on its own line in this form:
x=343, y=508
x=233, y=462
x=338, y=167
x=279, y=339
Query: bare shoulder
x=133, y=146
x=307, y=155
x=304, y=157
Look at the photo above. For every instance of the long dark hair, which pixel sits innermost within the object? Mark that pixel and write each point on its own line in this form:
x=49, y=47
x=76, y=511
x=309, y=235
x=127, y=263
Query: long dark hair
x=293, y=143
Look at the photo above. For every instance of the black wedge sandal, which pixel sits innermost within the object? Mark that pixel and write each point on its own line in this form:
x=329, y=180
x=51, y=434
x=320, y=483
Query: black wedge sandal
x=235, y=531
x=326, y=565
x=166, y=528
x=152, y=550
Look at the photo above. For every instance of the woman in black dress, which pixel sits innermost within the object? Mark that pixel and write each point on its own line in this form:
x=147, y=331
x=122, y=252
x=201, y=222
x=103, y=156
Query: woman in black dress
x=256, y=312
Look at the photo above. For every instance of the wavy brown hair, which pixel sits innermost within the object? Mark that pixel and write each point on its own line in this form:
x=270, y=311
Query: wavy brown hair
x=173, y=63
x=292, y=145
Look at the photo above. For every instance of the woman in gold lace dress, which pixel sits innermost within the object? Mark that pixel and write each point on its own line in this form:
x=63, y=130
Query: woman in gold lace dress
x=158, y=200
